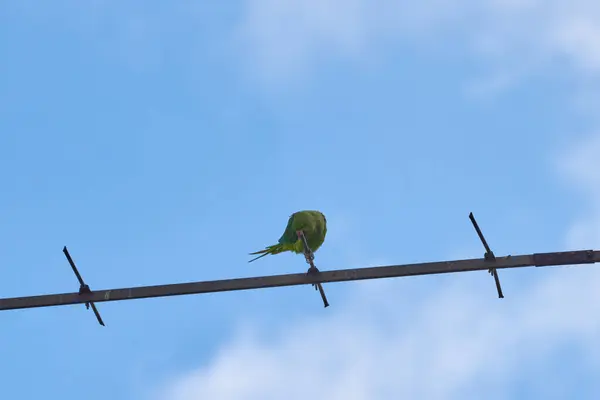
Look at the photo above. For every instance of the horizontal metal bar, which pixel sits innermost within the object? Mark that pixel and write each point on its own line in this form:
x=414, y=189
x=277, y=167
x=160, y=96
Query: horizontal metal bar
x=392, y=271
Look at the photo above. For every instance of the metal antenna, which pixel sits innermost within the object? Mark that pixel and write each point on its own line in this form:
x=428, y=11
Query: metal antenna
x=488, y=256
x=83, y=288
x=538, y=260
x=310, y=256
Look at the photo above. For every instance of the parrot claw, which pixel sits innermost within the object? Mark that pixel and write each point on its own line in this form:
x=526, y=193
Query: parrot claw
x=310, y=258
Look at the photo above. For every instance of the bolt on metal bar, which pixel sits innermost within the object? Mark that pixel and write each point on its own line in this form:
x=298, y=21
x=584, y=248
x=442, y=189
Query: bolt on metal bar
x=344, y=275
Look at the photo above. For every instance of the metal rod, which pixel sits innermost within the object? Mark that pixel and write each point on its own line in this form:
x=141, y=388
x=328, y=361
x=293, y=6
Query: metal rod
x=83, y=288
x=497, y=280
x=97, y=314
x=344, y=275
x=489, y=256
x=476, y=226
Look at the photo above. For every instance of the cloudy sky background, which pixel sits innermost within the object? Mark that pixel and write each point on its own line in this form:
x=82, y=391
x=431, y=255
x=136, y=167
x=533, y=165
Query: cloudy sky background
x=163, y=142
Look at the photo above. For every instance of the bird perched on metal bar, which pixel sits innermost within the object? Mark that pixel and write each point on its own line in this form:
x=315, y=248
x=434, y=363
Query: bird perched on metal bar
x=310, y=223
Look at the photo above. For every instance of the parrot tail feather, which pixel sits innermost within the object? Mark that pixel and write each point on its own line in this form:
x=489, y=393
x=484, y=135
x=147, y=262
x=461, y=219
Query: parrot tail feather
x=256, y=258
x=275, y=249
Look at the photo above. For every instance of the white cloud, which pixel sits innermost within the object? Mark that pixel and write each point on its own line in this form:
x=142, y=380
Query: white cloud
x=457, y=343
x=287, y=38
x=283, y=39
x=462, y=342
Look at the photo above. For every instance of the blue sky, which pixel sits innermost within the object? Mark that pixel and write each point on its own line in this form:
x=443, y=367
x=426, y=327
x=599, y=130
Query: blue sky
x=162, y=143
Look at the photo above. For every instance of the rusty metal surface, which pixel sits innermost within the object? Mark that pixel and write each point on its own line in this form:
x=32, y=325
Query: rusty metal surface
x=564, y=258
x=441, y=267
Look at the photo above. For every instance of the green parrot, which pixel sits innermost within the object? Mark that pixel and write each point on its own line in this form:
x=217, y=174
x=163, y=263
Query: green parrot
x=312, y=224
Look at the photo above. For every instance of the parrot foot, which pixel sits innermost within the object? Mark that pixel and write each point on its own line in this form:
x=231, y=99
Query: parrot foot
x=313, y=271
